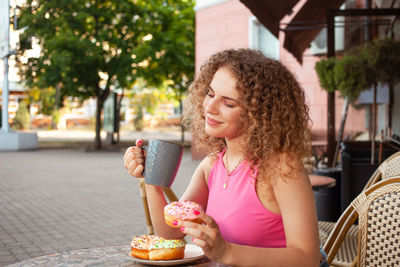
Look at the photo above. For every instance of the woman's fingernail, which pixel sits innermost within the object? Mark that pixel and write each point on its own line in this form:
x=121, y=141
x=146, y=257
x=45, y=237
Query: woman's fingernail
x=174, y=222
x=182, y=228
x=196, y=212
x=139, y=142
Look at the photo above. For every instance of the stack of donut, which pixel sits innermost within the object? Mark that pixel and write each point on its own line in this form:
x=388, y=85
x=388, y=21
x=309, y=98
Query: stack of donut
x=152, y=247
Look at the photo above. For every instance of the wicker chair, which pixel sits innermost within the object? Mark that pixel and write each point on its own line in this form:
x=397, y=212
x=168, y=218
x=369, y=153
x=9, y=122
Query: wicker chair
x=378, y=211
x=168, y=193
x=347, y=252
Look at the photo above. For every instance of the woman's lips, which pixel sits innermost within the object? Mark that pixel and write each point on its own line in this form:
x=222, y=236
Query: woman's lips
x=212, y=122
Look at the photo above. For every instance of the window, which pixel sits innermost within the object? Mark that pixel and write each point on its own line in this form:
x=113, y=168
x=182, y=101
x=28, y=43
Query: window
x=320, y=44
x=262, y=39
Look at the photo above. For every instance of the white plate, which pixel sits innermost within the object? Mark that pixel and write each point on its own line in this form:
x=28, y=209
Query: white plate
x=192, y=253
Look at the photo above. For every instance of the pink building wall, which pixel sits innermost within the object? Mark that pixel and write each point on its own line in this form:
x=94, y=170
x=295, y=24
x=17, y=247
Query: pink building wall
x=226, y=25
x=220, y=27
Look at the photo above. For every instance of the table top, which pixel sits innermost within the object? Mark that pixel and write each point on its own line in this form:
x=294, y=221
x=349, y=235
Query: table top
x=320, y=181
x=319, y=143
x=97, y=256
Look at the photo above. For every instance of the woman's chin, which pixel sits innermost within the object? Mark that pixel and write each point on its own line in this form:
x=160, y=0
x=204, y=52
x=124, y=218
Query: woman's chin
x=213, y=133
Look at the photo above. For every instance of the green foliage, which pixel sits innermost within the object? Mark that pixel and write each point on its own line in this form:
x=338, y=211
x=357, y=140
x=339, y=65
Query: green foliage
x=383, y=60
x=350, y=76
x=361, y=68
x=326, y=74
x=79, y=39
x=138, y=120
x=89, y=47
x=22, y=119
x=46, y=96
x=175, y=41
x=151, y=97
x=56, y=115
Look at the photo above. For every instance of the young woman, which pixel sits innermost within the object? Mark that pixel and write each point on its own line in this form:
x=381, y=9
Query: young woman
x=249, y=112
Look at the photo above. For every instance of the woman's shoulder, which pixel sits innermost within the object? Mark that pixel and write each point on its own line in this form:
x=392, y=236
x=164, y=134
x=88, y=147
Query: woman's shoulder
x=287, y=160
x=211, y=159
x=208, y=162
x=292, y=170
x=284, y=167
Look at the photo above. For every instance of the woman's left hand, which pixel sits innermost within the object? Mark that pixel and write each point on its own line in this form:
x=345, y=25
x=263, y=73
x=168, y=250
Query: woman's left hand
x=207, y=236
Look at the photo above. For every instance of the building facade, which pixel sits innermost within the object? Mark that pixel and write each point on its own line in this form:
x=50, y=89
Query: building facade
x=225, y=24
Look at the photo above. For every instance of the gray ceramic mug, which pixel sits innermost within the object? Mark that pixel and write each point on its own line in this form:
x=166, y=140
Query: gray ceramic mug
x=162, y=162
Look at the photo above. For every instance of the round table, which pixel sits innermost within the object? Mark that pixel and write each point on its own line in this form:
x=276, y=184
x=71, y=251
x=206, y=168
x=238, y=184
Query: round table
x=320, y=181
x=97, y=256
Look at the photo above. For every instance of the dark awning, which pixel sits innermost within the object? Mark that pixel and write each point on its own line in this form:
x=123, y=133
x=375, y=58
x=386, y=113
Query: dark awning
x=270, y=12
x=306, y=25
x=302, y=29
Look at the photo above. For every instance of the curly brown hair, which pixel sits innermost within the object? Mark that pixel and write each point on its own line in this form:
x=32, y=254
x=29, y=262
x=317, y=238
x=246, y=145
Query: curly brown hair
x=275, y=118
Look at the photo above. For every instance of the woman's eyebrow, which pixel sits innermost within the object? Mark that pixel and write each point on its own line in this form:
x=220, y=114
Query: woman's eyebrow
x=224, y=97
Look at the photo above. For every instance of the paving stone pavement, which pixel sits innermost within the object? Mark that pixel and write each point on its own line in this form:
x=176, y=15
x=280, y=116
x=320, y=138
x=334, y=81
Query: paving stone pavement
x=55, y=200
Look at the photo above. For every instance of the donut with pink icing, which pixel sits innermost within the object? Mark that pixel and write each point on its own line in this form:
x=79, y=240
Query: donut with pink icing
x=184, y=210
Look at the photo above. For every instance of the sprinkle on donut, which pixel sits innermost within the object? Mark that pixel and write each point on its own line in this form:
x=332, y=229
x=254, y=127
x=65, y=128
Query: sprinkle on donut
x=143, y=241
x=164, y=243
x=183, y=209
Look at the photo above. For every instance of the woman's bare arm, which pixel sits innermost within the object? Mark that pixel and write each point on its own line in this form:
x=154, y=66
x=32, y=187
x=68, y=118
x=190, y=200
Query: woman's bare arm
x=197, y=190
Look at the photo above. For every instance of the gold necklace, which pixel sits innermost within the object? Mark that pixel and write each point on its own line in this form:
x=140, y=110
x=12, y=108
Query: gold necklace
x=229, y=173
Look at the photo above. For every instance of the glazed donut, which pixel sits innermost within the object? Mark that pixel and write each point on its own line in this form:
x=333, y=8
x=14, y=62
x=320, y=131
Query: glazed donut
x=182, y=210
x=152, y=247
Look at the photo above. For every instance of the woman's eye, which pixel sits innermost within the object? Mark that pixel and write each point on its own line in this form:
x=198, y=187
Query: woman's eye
x=210, y=94
x=229, y=105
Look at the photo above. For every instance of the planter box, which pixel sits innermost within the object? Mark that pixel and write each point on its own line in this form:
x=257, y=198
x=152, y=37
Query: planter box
x=328, y=200
x=357, y=168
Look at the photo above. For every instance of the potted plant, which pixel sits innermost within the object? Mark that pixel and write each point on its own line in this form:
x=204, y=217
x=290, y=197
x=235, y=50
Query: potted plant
x=335, y=74
x=363, y=67
x=346, y=75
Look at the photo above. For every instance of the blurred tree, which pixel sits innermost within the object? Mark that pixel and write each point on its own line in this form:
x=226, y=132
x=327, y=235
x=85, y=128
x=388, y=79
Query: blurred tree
x=91, y=47
x=46, y=96
x=172, y=66
x=22, y=118
x=138, y=121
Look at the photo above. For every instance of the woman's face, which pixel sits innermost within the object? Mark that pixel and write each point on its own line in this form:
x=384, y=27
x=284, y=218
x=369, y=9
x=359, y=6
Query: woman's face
x=221, y=106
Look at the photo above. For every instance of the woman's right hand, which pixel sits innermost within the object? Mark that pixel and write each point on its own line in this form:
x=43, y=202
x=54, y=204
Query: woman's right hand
x=134, y=159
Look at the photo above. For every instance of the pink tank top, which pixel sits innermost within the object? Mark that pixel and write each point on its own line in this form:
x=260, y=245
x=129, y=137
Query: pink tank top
x=241, y=217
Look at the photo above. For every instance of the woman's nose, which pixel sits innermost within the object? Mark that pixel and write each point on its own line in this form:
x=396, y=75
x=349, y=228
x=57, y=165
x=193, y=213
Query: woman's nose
x=211, y=106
